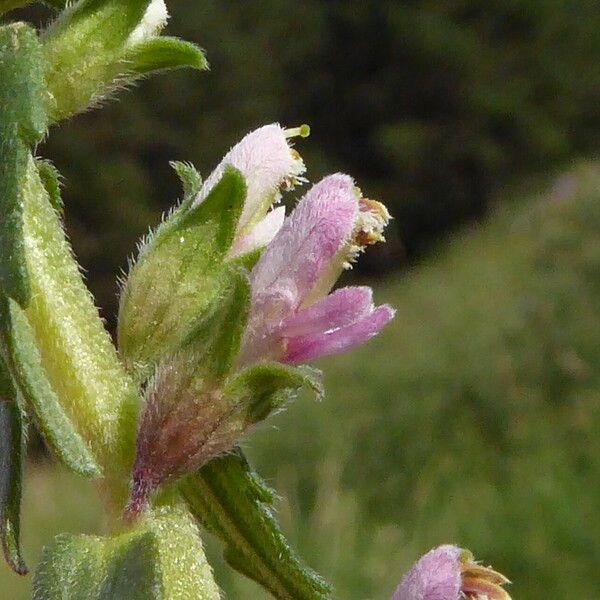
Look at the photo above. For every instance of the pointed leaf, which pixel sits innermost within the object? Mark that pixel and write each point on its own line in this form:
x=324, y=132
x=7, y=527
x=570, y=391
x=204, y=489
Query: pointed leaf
x=23, y=94
x=161, y=53
x=266, y=387
x=22, y=121
x=12, y=449
x=178, y=274
x=79, y=360
x=25, y=364
x=185, y=572
x=233, y=503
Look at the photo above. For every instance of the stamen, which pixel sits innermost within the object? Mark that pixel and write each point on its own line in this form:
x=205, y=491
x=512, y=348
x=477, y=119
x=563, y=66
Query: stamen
x=371, y=221
x=481, y=583
x=303, y=131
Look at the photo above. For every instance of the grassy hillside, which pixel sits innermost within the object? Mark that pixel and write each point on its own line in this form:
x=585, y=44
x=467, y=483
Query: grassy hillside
x=474, y=418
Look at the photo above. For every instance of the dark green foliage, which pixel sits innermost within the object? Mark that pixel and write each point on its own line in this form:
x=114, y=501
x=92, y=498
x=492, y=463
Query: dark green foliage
x=12, y=449
x=231, y=501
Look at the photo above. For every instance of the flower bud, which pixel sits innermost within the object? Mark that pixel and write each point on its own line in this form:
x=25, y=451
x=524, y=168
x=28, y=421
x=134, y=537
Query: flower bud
x=98, y=46
x=450, y=573
x=268, y=165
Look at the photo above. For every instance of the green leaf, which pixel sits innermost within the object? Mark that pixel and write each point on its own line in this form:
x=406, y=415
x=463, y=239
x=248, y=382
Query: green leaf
x=12, y=450
x=22, y=122
x=185, y=572
x=179, y=272
x=267, y=387
x=14, y=279
x=26, y=368
x=23, y=94
x=161, y=559
x=79, y=360
x=160, y=53
x=85, y=47
x=79, y=567
x=233, y=503
x=50, y=177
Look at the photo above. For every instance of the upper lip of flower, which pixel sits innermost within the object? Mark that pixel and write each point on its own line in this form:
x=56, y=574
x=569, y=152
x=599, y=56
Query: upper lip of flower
x=268, y=163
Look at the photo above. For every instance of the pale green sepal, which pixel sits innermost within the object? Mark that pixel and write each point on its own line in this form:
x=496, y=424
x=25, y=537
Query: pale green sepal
x=85, y=48
x=179, y=272
x=50, y=177
x=26, y=368
x=216, y=338
x=78, y=357
x=231, y=501
x=266, y=387
x=12, y=451
x=22, y=122
x=161, y=53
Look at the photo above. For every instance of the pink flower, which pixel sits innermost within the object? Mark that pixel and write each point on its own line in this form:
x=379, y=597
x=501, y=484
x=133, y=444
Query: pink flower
x=294, y=318
x=450, y=573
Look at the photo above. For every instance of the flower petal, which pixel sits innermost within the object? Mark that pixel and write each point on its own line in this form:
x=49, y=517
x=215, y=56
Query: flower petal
x=261, y=234
x=307, y=347
x=435, y=576
x=309, y=239
x=154, y=19
x=341, y=308
x=266, y=161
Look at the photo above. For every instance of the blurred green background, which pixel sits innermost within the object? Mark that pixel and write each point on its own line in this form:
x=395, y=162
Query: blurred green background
x=475, y=417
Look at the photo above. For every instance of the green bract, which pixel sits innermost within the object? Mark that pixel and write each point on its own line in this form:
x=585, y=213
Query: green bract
x=178, y=274
x=98, y=46
x=234, y=504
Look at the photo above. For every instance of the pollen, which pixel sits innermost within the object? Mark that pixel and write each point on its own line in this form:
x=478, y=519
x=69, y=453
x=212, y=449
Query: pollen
x=371, y=221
